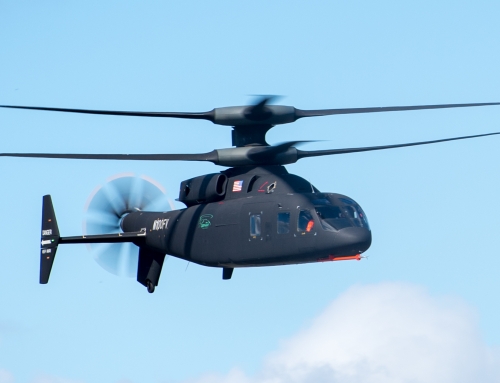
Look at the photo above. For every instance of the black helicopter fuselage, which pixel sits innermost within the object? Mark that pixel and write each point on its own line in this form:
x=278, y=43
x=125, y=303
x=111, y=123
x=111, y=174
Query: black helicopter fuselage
x=241, y=217
x=258, y=216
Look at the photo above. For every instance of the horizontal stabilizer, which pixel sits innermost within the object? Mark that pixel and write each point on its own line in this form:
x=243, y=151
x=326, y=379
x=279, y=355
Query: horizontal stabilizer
x=136, y=236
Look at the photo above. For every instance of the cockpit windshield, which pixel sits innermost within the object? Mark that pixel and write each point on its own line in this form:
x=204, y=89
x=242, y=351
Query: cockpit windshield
x=337, y=212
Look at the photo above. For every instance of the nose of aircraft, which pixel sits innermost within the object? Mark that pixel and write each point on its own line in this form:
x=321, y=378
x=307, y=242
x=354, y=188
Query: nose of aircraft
x=352, y=240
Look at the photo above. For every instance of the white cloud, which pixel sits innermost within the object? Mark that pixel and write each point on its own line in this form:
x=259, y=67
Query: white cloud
x=234, y=376
x=391, y=333
x=43, y=378
x=6, y=376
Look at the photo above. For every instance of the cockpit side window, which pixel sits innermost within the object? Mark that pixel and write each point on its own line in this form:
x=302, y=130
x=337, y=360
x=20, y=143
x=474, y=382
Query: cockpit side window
x=332, y=218
x=305, y=221
x=339, y=214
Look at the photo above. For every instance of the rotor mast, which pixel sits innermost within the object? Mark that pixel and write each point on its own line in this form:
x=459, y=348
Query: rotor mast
x=250, y=135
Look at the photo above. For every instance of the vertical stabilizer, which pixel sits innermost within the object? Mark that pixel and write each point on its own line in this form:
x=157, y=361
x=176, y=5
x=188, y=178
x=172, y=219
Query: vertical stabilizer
x=50, y=239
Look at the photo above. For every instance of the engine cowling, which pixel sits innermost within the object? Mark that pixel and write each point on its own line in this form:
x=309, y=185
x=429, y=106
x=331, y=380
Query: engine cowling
x=203, y=189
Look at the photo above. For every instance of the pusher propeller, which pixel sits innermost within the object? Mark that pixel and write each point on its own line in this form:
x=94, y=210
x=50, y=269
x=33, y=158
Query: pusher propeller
x=108, y=205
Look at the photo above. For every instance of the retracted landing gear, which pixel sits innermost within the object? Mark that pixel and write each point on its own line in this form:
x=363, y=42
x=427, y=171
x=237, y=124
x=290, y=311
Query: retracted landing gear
x=150, y=286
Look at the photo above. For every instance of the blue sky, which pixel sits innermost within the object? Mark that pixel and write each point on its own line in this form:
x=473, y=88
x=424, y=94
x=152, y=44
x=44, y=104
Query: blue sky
x=434, y=210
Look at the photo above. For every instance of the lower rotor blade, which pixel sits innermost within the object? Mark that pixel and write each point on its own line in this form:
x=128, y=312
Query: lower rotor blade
x=317, y=153
x=261, y=153
x=299, y=113
x=209, y=157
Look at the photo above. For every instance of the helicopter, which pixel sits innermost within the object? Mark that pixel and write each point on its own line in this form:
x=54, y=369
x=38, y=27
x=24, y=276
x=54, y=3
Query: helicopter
x=254, y=213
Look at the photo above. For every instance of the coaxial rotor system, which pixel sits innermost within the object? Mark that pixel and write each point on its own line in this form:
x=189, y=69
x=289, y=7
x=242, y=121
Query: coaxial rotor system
x=250, y=124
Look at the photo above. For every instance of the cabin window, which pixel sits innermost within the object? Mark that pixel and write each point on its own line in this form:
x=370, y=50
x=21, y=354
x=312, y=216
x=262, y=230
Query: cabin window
x=305, y=221
x=255, y=225
x=283, y=223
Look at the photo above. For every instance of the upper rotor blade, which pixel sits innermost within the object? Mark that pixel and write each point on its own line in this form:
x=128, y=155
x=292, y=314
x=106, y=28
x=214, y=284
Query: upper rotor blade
x=259, y=111
x=197, y=116
x=299, y=113
x=316, y=153
x=210, y=156
x=262, y=101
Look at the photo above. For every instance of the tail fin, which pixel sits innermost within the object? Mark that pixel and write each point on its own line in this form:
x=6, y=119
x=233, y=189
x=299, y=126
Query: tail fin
x=149, y=268
x=50, y=239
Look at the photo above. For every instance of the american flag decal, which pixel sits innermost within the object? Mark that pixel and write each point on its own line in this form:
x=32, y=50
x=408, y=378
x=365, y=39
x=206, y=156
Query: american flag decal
x=237, y=186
